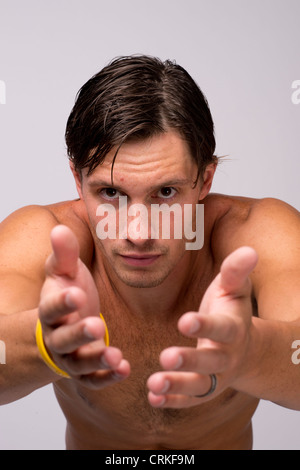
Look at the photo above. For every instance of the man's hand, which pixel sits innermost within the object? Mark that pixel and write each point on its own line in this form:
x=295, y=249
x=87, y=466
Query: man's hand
x=223, y=329
x=69, y=312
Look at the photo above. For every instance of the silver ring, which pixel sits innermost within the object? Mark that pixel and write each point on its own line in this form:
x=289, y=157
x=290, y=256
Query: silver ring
x=212, y=387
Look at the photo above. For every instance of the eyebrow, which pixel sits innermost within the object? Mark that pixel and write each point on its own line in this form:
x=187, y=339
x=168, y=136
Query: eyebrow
x=165, y=184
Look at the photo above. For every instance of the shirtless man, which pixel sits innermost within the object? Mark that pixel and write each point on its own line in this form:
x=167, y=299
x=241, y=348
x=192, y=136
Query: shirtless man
x=196, y=338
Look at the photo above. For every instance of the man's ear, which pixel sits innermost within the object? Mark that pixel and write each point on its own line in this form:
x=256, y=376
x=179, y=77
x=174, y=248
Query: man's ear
x=78, y=179
x=207, y=179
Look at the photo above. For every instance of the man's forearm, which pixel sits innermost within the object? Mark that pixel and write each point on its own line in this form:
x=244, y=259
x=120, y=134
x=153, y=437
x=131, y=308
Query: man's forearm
x=269, y=372
x=22, y=371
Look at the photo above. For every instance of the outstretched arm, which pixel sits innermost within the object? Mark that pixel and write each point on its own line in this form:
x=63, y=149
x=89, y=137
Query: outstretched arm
x=249, y=354
x=65, y=299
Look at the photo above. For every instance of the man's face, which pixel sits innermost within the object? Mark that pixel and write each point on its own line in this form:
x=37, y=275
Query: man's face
x=158, y=171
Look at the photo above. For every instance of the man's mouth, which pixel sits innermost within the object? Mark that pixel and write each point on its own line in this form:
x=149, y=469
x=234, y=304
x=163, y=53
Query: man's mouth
x=140, y=259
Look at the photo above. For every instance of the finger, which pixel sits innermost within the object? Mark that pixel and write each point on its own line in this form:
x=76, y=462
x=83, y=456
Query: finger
x=178, y=383
x=67, y=338
x=92, y=360
x=64, y=259
x=102, y=379
x=235, y=270
x=54, y=305
x=175, y=401
x=205, y=360
x=219, y=328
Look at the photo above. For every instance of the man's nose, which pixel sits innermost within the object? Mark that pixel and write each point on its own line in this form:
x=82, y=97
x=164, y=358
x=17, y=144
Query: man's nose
x=136, y=224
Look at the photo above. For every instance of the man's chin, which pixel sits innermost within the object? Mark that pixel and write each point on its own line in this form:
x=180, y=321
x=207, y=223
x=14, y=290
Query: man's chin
x=142, y=281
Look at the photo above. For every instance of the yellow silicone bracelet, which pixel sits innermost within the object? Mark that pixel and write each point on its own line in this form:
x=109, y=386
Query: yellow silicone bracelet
x=44, y=353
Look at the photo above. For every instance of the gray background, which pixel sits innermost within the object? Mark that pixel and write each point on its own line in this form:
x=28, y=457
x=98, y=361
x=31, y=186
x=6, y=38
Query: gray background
x=245, y=57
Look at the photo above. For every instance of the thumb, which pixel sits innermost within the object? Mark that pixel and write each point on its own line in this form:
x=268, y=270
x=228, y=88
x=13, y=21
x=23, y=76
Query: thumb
x=63, y=261
x=235, y=270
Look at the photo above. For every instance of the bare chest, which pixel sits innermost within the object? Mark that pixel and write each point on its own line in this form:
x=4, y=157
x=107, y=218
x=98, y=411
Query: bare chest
x=121, y=414
x=141, y=342
x=142, y=338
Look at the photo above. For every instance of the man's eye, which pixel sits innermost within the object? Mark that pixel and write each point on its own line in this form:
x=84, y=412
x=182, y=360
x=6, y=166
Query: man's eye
x=166, y=192
x=110, y=193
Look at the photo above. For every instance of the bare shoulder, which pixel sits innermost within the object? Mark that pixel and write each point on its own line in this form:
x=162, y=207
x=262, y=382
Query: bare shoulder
x=225, y=215
x=272, y=228
x=25, y=235
x=265, y=224
x=25, y=245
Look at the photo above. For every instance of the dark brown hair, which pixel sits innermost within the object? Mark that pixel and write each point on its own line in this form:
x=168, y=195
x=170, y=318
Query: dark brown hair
x=137, y=97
